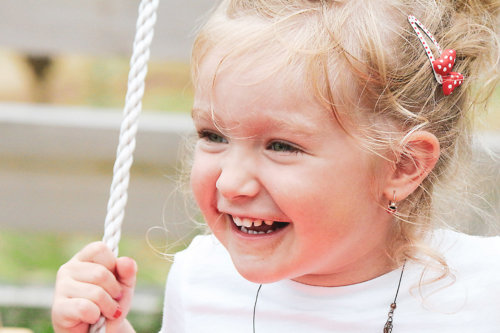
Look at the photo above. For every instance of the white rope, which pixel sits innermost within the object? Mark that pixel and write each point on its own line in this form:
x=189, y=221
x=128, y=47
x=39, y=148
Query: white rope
x=128, y=130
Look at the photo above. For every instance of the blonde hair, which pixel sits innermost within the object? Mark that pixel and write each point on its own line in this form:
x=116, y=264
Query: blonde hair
x=363, y=61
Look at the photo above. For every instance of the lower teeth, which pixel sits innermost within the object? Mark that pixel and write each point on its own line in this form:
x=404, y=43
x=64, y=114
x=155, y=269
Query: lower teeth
x=253, y=232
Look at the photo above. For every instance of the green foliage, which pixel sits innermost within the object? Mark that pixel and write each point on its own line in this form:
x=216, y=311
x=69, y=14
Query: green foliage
x=34, y=319
x=39, y=321
x=35, y=257
x=102, y=82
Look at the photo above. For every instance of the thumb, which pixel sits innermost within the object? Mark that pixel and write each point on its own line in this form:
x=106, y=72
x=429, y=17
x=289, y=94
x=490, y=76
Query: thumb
x=126, y=271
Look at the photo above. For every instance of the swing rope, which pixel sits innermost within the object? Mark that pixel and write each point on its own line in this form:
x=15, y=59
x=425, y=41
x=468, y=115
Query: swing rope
x=126, y=144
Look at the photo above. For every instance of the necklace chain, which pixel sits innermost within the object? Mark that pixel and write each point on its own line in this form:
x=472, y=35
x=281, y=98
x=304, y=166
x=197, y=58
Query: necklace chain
x=390, y=316
x=255, y=306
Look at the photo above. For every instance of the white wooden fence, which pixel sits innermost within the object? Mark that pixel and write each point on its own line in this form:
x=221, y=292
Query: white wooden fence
x=56, y=164
x=97, y=27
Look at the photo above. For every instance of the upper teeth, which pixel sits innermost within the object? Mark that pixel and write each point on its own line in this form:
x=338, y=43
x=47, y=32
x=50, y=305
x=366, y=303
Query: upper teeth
x=247, y=223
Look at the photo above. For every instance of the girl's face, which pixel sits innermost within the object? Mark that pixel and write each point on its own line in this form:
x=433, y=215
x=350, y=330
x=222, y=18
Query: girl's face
x=282, y=186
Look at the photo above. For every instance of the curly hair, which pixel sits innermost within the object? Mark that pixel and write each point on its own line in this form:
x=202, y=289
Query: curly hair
x=363, y=62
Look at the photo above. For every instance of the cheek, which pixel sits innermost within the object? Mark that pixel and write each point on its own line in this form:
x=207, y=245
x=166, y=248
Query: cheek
x=202, y=181
x=323, y=193
x=204, y=175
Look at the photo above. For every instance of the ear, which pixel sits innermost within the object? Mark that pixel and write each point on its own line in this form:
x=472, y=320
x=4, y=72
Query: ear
x=419, y=154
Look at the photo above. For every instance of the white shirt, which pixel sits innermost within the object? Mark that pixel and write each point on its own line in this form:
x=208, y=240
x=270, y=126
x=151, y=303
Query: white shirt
x=206, y=294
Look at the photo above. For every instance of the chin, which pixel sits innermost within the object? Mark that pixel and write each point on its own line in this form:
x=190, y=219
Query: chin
x=257, y=274
x=258, y=277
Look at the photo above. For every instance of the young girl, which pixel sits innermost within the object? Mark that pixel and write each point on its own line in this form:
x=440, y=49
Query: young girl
x=325, y=128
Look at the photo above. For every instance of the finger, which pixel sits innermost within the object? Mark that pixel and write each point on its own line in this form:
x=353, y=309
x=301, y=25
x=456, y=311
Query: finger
x=75, y=314
x=126, y=273
x=98, y=253
x=107, y=306
x=95, y=274
x=126, y=270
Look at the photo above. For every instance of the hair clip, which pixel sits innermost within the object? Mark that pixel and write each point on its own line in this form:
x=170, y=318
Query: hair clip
x=442, y=67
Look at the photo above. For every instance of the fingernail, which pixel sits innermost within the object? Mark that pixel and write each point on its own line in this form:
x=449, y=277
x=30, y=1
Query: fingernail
x=119, y=297
x=118, y=313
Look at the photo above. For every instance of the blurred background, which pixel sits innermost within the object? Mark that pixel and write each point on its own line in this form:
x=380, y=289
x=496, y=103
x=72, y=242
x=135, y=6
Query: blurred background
x=63, y=79
x=63, y=76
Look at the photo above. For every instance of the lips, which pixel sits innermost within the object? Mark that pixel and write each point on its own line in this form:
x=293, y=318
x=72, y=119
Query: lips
x=257, y=226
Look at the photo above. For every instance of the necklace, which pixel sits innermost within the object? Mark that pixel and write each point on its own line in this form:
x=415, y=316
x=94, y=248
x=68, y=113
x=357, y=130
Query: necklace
x=390, y=316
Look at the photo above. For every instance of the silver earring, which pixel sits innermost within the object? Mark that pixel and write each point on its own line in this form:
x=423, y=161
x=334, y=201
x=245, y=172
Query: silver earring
x=392, y=207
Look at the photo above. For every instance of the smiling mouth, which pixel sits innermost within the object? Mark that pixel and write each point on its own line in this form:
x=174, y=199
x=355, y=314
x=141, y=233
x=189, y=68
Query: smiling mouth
x=257, y=227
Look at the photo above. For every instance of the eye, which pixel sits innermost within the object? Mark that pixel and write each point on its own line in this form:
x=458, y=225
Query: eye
x=282, y=147
x=211, y=136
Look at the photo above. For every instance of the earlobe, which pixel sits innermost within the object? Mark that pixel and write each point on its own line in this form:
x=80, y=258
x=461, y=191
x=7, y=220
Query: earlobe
x=419, y=154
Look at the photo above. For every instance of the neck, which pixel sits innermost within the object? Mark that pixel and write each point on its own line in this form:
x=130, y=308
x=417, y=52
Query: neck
x=363, y=270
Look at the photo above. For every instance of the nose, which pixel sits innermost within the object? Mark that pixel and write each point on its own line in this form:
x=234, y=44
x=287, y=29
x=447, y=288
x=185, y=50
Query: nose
x=237, y=178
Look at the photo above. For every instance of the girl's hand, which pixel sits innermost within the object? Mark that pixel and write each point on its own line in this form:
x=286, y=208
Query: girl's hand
x=92, y=283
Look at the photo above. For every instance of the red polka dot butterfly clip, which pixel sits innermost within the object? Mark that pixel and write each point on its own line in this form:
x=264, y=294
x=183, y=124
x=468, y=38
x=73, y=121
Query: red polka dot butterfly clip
x=443, y=66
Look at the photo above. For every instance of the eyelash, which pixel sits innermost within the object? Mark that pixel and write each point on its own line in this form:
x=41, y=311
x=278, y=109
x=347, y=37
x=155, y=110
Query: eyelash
x=284, y=147
x=211, y=136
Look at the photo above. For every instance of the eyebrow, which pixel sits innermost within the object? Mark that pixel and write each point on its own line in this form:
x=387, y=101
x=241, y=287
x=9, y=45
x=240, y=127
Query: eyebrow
x=300, y=126
x=197, y=113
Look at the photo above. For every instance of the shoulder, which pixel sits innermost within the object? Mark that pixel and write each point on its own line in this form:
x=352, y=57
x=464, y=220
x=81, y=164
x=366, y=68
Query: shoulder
x=474, y=263
x=204, y=250
x=201, y=281
x=196, y=282
x=462, y=248
x=429, y=300
x=204, y=262
x=201, y=244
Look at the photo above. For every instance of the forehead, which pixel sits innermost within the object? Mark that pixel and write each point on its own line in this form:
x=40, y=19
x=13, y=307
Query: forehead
x=232, y=93
x=258, y=66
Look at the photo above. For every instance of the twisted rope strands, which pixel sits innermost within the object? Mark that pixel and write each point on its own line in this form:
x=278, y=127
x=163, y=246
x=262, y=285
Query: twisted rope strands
x=126, y=146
